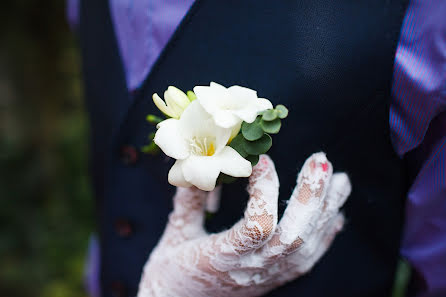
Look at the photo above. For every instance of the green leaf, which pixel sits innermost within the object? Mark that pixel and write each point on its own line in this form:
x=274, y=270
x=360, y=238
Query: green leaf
x=252, y=131
x=282, y=111
x=402, y=279
x=225, y=179
x=254, y=159
x=259, y=146
x=238, y=143
x=153, y=119
x=191, y=95
x=269, y=115
x=271, y=127
x=151, y=148
x=152, y=135
x=209, y=215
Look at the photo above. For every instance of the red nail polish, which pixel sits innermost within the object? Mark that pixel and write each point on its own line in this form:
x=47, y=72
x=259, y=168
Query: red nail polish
x=324, y=167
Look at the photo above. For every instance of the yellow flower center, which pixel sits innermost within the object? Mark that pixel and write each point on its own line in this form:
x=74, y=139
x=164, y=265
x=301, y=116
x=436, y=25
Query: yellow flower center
x=203, y=146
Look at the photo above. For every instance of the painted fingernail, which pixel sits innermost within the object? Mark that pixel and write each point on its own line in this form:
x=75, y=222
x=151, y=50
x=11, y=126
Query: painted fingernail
x=324, y=166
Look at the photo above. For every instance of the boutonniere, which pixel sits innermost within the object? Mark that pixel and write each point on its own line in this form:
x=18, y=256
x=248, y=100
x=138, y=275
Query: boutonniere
x=216, y=134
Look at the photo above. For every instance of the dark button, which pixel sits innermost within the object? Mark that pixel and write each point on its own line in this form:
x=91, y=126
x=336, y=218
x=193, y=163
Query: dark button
x=129, y=155
x=118, y=289
x=123, y=228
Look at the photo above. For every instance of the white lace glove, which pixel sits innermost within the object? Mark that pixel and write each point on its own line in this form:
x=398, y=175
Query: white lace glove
x=256, y=255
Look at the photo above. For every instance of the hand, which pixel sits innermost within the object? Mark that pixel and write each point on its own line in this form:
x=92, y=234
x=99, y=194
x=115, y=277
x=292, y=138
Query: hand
x=257, y=254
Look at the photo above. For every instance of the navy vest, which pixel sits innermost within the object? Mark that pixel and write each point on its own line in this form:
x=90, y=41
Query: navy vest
x=330, y=62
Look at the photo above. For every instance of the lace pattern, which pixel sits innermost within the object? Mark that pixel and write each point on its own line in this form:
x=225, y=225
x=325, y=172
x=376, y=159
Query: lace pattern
x=258, y=253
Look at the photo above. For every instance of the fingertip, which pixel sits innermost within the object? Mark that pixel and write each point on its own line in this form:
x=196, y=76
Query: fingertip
x=319, y=156
x=318, y=166
x=264, y=166
x=341, y=181
x=322, y=162
x=340, y=188
x=264, y=160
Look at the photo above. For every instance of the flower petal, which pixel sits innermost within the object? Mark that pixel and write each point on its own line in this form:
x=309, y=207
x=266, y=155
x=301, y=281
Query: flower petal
x=194, y=119
x=242, y=93
x=212, y=98
x=202, y=172
x=250, y=112
x=264, y=104
x=226, y=119
x=162, y=105
x=176, y=100
x=234, y=132
x=231, y=163
x=170, y=101
x=246, y=114
x=196, y=122
x=208, y=98
x=176, y=177
x=222, y=136
x=217, y=86
x=195, y=113
x=169, y=139
x=178, y=97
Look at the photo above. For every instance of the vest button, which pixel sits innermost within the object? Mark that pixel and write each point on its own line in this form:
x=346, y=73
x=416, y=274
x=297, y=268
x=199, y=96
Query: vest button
x=118, y=289
x=129, y=155
x=123, y=228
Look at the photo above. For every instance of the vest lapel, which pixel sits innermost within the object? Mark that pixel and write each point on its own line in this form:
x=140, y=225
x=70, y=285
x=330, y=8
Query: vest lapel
x=103, y=71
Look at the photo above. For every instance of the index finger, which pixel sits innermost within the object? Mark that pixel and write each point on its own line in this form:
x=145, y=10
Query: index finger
x=187, y=218
x=260, y=217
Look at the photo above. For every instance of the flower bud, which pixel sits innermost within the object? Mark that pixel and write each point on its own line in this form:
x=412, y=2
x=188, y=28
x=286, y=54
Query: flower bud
x=174, y=103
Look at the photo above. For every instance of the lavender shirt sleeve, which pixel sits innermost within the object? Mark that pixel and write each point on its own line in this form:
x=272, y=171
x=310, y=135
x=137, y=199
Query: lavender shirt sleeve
x=72, y=12
x=418, y=125
x=92, y=268
x=417, y=113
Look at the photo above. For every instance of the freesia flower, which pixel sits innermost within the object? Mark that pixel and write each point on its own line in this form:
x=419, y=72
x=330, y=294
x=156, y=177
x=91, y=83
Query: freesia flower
x=231, y=106
x=200, y=147
x=175, y=102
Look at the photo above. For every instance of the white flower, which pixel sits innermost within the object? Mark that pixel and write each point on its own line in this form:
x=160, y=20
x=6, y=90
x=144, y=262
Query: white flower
x=176, y=102
x=231, y=106
x=200, y=147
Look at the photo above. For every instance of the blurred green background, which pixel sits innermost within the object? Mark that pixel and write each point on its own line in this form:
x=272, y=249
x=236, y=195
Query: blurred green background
x=46, y=214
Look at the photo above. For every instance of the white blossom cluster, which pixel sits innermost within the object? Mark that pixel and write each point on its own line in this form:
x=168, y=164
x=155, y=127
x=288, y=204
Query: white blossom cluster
x=200, y=128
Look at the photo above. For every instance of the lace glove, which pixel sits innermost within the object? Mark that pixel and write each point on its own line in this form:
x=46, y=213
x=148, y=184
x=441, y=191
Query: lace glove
x=257, y=254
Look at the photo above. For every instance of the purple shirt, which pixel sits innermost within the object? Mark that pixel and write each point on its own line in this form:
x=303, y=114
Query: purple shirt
x=418, y=125
x=417, y=113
